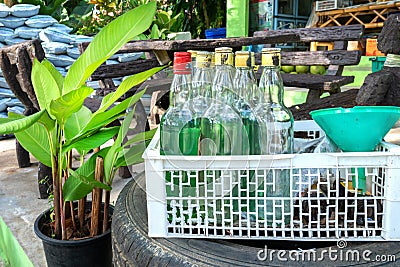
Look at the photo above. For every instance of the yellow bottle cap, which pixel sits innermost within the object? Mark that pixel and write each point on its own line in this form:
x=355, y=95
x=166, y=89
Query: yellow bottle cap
x=223, y=56
x=243, y=59
x=203, y=59
x=271, y=57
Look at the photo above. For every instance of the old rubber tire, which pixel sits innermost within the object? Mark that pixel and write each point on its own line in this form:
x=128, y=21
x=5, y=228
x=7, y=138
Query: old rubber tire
x=132, y=246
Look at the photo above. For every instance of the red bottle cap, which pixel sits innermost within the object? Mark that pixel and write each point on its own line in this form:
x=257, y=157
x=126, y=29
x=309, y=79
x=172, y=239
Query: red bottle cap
x=182, y=62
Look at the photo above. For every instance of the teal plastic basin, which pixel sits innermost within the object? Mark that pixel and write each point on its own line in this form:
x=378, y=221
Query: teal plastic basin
x=358, y=129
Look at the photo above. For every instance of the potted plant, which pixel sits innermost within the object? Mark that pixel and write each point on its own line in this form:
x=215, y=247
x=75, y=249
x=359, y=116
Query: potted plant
x=64, y=124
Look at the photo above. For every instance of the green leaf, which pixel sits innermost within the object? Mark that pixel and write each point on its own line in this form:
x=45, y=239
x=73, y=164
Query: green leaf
x=55, y=73
x=44, y=84
x=63, y=107
x=155, y=33
x=20, y=124
x=101, y=119
x=93, y=141
x=35, y=140
x=78, y=186
x=76, y=122
x=144, y=136
x=125, y=86
x=108, y=41
x=134, y=154
x=112, y=155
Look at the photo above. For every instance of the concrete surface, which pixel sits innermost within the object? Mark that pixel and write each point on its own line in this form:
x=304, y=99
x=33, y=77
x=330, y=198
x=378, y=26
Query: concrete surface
x=20, y=203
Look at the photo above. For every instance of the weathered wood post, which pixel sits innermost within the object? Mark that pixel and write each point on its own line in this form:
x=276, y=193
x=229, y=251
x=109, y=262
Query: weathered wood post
x=383, y=87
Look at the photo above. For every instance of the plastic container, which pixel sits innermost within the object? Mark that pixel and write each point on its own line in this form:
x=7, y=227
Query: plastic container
x=377, y=63
x=226, y=196
x=365, y=124
x=215, y=33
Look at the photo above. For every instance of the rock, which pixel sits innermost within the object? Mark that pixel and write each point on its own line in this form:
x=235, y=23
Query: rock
x=6, y=33
x=375, y=88
x=4, y=84
x=111, y=61
x=40, y=21
x=389, y=38
x=129, y=57
x=392, y=97
x=4, y=10
x=24, y=10
x=12, y=22
x=3, y=104
x=56, y=48
x=11, y=41
x=16, y=109
x=3, y=115
x=6, y=93
x=82, y=39
x=26, y=32
x=73, y=52
x=60, y=60
x=51, y=35
x=14, y=102
x=60, y=28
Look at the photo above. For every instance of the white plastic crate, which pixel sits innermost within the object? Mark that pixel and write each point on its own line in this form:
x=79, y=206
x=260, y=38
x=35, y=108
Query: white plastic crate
x=230, y=196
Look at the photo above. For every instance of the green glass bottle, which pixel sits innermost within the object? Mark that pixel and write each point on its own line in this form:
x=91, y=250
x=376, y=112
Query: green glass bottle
x=221, y=127
x=245, y=85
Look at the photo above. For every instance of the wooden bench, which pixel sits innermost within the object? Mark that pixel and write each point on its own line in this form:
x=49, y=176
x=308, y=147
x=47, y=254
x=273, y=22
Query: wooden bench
x=335, y=59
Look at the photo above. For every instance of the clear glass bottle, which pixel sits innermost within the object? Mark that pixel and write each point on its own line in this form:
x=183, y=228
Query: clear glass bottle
x=202, y=82
x=271, y=89
x=276, y=137
x=245, y=85
x=179, y=132
x=221, y=127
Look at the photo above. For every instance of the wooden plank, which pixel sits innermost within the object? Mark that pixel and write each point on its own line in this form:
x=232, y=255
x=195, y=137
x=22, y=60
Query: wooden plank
x=327, y=34
x=316, y=81
x=270, y=37
x=333, y=57
x=123, y=69
x=310, y=81
x=309, y=58
x=344, y=99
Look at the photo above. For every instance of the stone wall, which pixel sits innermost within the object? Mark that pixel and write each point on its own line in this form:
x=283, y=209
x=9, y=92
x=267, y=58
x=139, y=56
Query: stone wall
x=22, y=22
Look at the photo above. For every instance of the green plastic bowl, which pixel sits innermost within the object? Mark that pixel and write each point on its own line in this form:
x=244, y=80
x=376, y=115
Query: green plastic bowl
x=358, y=129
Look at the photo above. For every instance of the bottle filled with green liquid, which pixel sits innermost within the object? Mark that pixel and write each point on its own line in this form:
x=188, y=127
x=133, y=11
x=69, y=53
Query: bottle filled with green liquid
x=179, y=130
x=245, y=85
x=276, y=137
x=179, y=135
x=221, y=126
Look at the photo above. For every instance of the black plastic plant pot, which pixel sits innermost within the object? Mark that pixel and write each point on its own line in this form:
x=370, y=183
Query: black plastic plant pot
x=94, y=251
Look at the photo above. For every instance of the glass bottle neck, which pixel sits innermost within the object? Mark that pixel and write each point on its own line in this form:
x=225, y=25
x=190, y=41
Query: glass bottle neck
x=201, y=82
x=180, y=89
x=222, y=88
x=244, y=82
x=271, y=86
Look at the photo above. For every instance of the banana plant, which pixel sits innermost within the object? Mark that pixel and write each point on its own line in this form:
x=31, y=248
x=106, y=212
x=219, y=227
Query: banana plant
x=63, y=123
